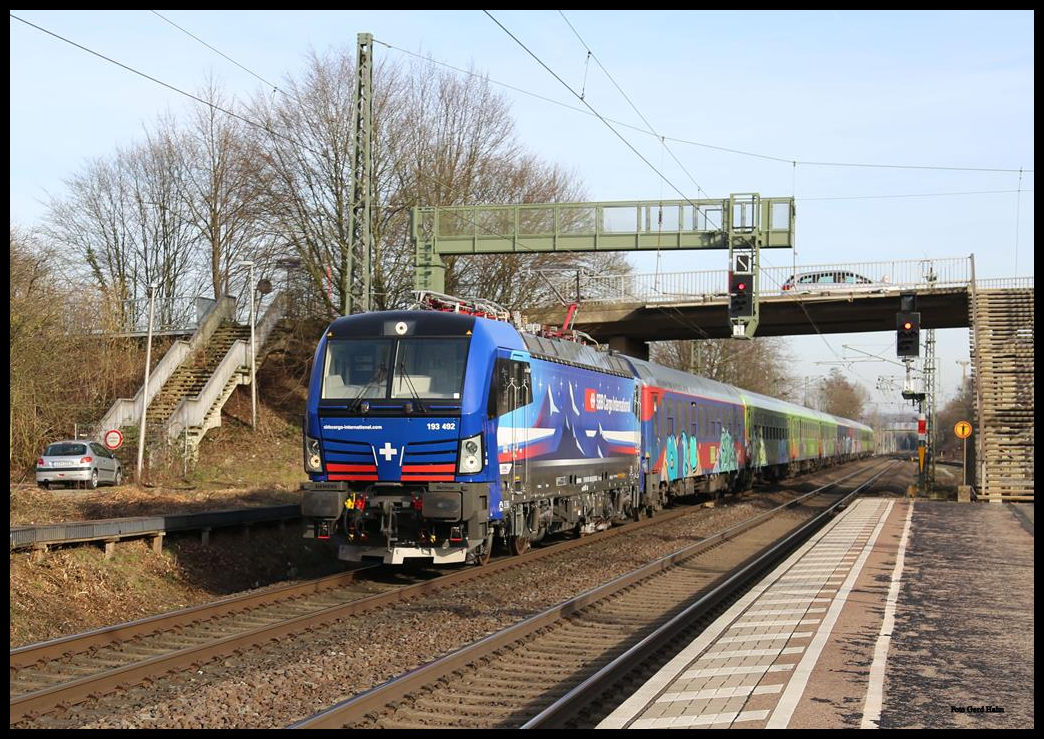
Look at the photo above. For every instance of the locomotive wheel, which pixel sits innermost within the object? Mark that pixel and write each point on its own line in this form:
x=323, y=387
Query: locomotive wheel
x=483, y=556
x=519, y=544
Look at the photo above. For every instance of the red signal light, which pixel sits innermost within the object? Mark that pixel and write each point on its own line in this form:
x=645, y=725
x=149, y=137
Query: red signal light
x=741, y=298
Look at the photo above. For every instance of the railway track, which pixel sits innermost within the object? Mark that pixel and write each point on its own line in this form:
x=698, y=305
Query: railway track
x=55, y=678
x=583, y=657
x=63, y=672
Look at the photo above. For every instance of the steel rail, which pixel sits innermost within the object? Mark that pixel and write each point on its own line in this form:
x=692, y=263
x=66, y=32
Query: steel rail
x=563, y=710
x=374, y=699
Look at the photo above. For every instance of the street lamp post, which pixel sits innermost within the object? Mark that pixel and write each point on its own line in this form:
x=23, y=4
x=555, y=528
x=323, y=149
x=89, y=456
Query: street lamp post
x=253, y=352
x=145, y=387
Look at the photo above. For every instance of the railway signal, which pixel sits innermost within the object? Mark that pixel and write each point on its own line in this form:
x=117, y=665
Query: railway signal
x=741, y=294
x=907, y=334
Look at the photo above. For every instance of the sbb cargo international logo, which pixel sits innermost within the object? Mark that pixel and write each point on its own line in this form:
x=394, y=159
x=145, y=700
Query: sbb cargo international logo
x=595, y=401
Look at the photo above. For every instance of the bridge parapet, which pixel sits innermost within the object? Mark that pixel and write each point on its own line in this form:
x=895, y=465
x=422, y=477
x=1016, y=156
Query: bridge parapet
x=666, y=287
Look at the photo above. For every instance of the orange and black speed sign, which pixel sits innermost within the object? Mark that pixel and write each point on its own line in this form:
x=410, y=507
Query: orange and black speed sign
x=963, y=429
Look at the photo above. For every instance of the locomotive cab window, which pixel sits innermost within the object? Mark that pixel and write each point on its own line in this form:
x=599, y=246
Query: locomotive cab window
x=429, y=368
x=382, y=368
x=357, y=368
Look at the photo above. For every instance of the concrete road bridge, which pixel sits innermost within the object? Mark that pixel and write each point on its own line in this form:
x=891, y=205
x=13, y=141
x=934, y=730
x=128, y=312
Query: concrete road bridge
x=628, y=311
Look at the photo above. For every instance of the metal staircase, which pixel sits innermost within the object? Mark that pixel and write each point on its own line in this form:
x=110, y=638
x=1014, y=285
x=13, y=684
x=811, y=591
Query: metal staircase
x=1002, y=356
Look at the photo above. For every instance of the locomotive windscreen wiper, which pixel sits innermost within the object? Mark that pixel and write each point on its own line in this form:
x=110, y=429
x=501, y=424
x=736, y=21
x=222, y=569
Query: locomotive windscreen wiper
x=378, y=376
x=409, y=384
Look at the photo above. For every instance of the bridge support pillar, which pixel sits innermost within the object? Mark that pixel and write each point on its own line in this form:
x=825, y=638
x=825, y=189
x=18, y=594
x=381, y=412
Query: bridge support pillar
x=631, y=347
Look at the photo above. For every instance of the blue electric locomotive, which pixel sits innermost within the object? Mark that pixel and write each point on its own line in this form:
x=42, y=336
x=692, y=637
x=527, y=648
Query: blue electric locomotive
x=432, y=433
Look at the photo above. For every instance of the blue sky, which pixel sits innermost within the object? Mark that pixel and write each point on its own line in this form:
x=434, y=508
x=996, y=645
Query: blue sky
x=939, y=104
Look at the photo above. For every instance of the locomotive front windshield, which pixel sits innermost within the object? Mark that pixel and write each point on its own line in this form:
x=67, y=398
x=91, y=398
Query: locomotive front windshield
x=386, y=368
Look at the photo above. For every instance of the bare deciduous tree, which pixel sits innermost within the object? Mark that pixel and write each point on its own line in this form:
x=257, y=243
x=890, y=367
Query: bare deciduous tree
x=93, y=223
x=442, y=139
x=167, y=244
x=62, y=376
x=959, y=408
x=837, y=395
x=760, y=365
x=126, y=222
x=223, y=181
x=461, y=150
x=308, y=153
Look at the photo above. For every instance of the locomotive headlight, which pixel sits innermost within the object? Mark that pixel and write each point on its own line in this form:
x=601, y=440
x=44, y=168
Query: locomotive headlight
x=470, y=458
x=313, y=459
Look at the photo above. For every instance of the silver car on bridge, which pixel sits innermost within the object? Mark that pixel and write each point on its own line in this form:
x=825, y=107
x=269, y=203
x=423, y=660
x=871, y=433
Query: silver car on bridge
x=827, y=279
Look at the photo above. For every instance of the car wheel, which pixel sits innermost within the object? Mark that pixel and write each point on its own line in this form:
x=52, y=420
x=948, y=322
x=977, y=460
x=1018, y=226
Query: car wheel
x=93, y=484
x=119, y=477
x=43, y=484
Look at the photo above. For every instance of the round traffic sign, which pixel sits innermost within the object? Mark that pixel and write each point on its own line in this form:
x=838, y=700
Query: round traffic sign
x=113, y=439
x=963, y=429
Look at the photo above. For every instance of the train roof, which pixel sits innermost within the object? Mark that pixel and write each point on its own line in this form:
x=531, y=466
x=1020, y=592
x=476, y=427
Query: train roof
x=572, y=352
x=418, y=322
x=672, y=379
x=783, y=406
x=434, y=323
x=449, y=323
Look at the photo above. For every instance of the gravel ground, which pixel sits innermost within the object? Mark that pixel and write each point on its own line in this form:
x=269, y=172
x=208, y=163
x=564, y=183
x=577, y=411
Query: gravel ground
x=290, y=680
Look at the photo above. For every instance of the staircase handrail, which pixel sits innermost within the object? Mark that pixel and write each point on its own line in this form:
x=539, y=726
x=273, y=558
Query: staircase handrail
x=222, y=310
x=127, y=411
x=275, y=311
x=192, y=411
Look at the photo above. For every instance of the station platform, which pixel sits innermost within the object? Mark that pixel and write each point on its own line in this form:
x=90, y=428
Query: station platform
x=898, y=614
